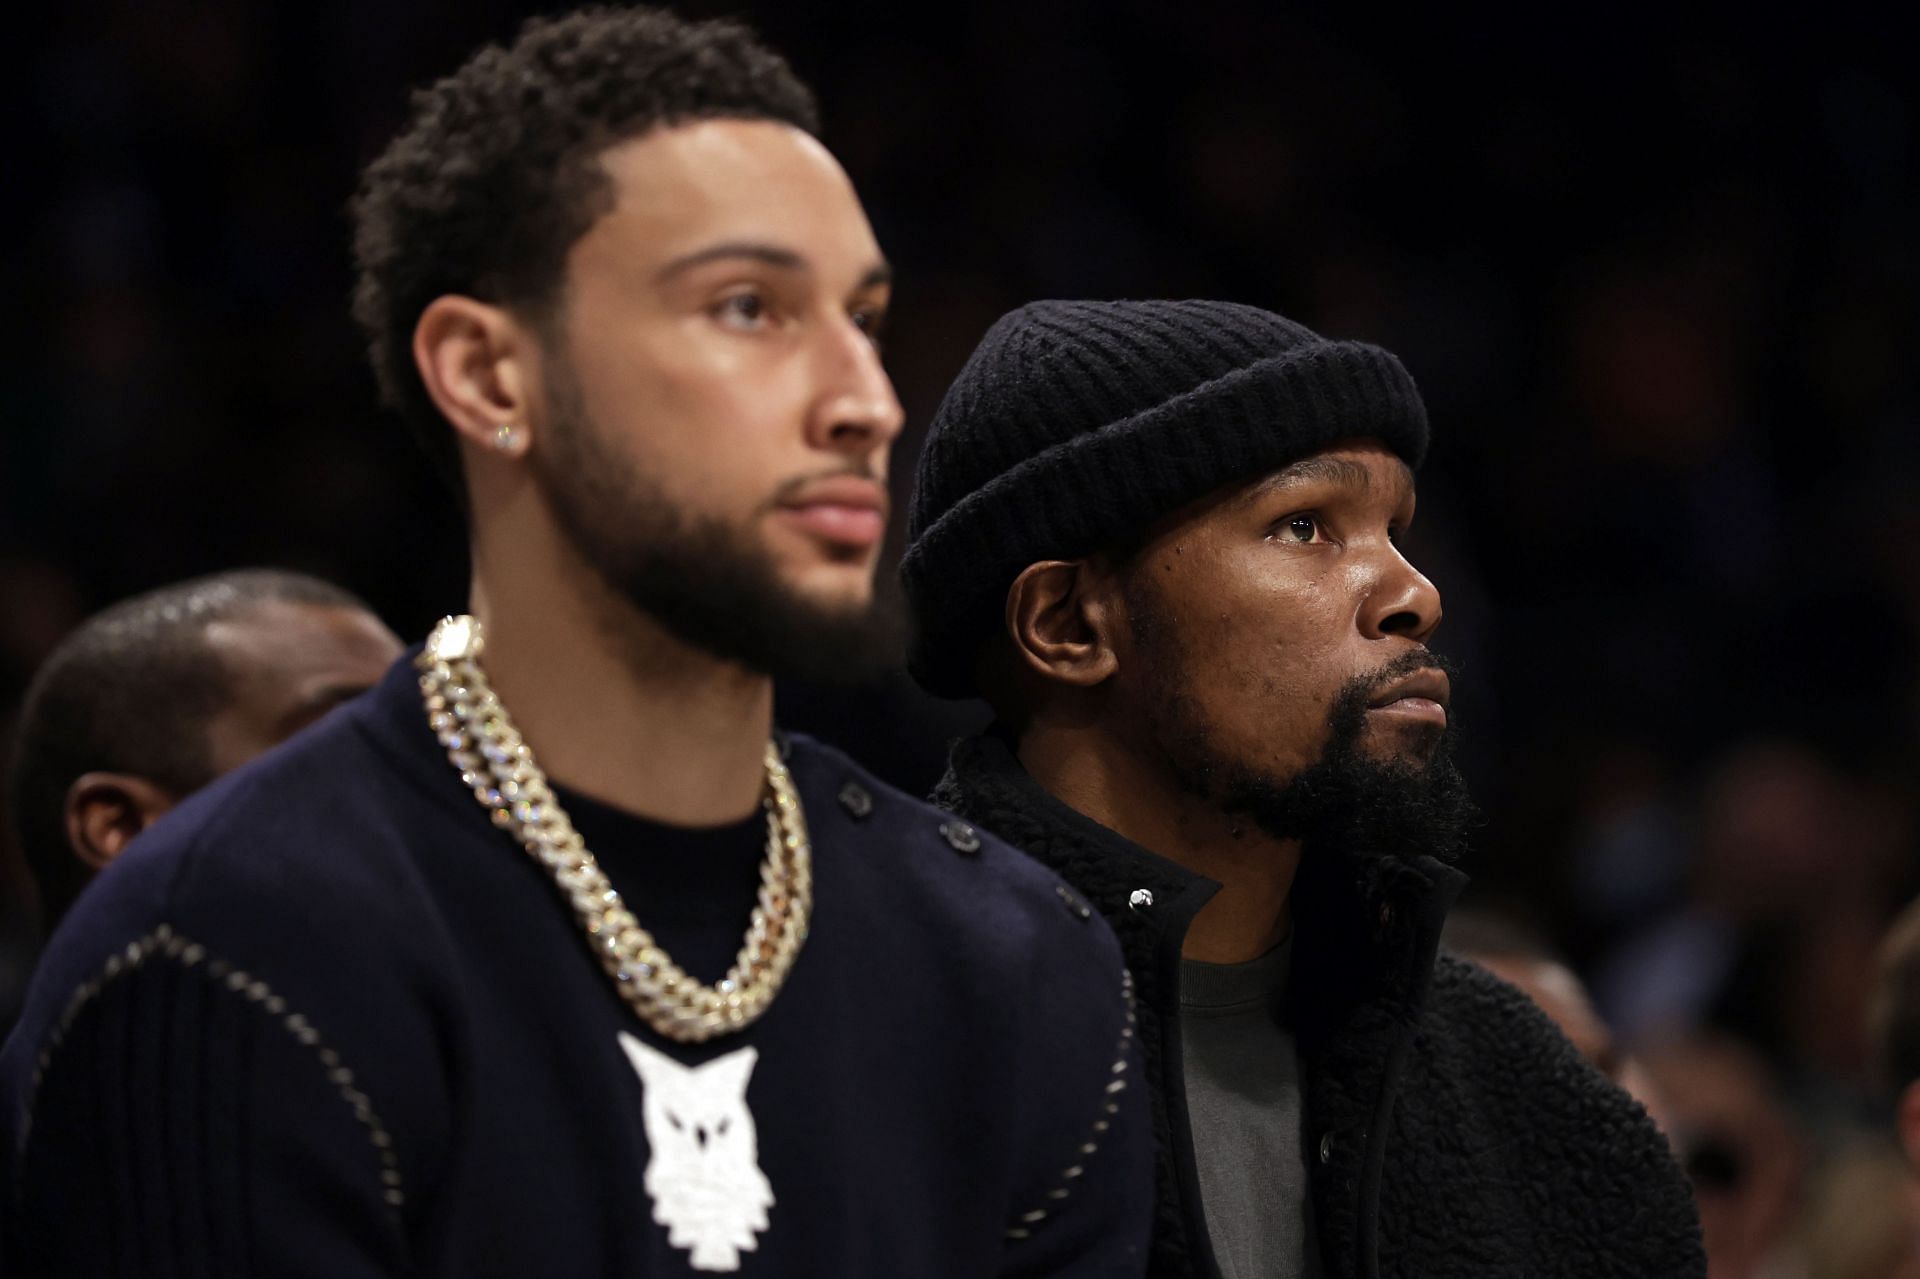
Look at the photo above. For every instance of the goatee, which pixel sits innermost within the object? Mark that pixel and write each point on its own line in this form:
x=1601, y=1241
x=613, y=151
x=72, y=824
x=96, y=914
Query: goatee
x=1348, y=800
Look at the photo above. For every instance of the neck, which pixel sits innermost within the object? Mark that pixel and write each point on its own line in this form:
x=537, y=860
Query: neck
x=1128, y=794
x=613, y=705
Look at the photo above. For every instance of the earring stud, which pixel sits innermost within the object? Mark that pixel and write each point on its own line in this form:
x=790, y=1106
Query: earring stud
x=507, y=439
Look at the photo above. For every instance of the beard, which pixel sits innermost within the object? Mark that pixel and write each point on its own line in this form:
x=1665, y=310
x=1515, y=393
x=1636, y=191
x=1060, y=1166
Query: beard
x=1346, y=801
x=708, y=583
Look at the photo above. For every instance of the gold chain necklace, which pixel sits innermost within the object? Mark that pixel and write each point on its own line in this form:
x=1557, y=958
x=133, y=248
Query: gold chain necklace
x=499, y=768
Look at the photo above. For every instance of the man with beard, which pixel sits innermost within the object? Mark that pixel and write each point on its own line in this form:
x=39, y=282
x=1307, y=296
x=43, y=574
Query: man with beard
x=547, y=957
x=1160, y=539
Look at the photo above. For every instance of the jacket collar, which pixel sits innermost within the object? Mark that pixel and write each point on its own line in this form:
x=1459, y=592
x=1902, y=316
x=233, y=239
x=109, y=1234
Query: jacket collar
x=1365, y=925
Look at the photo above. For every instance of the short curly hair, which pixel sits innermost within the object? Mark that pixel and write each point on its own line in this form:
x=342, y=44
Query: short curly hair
x=497, y=173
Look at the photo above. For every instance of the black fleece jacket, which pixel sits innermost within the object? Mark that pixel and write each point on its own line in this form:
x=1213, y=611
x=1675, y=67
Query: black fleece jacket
x=1450, y=1128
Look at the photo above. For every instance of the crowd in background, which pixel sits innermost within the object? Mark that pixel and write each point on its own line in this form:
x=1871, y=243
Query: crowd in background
x=1660, y=287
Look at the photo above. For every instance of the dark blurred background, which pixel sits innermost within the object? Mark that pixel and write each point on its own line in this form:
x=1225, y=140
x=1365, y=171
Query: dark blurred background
x=1659, y=282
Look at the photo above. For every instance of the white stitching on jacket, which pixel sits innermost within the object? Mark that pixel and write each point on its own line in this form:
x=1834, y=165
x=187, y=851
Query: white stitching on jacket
x=164, y=941
x=1024, y=1224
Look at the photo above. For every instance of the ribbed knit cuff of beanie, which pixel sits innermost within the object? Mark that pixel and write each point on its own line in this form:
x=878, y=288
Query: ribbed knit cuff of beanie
x=1077, y=425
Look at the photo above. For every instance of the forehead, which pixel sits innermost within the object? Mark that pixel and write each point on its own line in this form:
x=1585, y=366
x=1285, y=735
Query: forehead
x=679, y=189
x=1362, y=469
x=280, y=642
x=1366, y=468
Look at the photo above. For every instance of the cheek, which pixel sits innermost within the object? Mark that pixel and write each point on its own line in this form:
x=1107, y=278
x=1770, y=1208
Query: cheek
x=1277, y=635
x=717, y=444
x=1272, y=662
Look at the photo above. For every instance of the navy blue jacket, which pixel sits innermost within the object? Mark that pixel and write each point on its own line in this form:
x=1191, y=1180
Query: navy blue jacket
x=327, y=1020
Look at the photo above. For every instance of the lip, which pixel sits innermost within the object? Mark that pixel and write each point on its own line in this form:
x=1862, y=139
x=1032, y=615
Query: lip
x=1425, y=694
x=844, y=510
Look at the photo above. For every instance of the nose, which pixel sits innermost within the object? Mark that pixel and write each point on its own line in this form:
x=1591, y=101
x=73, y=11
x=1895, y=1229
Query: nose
x=1402, y=603
x=856, y=411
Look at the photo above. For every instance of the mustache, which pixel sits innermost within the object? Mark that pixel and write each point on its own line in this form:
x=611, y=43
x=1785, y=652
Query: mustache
x=796, y=484
x=1419, y=659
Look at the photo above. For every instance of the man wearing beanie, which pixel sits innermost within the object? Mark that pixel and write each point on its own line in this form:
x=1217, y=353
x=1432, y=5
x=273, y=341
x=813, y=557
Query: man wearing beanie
x=1160, y=539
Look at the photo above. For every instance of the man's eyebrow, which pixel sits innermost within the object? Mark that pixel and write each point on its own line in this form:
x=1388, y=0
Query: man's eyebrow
x=772, y=255
x=776, y=256
x=1320, y=469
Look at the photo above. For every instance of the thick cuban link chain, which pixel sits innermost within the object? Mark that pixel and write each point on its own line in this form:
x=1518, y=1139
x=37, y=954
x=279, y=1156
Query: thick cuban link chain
x=499, y=768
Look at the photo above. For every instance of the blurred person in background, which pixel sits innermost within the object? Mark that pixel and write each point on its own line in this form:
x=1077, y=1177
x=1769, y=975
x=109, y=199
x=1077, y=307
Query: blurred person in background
x=1741, y=1147
x=1161, y=539
x=40, y=605
x=154, y=698
x=457, y=984
x=1893, y=1036
x=1793, y=864
x=1860, y=1221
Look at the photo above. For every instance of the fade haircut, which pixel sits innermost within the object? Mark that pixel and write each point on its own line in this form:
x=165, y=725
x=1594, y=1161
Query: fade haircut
x=1893, y=1017
x=132, y=691
x=497, y=173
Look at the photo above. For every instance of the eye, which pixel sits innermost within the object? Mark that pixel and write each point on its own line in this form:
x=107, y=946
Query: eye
x=1299, y=529
x=870, y=320
x=746, y=311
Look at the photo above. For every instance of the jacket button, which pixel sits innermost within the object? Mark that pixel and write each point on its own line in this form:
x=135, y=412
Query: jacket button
x=1074, y=902
x=1326, y=1147
x=1140, y=898
x=961, y=837
x=855, y=799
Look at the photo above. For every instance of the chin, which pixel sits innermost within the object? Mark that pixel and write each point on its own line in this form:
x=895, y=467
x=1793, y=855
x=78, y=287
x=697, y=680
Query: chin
x=1411, y=747
x=832, y=588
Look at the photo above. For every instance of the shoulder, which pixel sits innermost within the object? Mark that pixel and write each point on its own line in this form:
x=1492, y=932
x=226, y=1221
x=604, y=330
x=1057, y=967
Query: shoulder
x=987, y=888
x=1492, y=1048
x=1474, y=1016
x=1469, y=1002
x=1048, y=978
x=306, y=827
x=1493, y=1067
x=1039, y=961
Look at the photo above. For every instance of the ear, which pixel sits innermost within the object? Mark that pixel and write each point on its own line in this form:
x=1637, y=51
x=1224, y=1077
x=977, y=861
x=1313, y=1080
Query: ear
x=653, y=1066
x=106, y=810
x=479, y=364
x=1061, y=616
x=729, y=1075
x=1907, y=1120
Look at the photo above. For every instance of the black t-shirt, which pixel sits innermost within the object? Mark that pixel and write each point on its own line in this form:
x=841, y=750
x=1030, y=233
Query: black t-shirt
x=692, y=887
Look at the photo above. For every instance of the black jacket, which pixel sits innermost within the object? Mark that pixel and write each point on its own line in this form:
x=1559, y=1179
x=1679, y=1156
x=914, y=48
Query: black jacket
x=326, y=1020
x=1450, y=1129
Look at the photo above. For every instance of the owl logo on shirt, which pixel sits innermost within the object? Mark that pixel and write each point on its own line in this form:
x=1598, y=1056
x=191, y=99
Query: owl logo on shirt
x=704, y=1174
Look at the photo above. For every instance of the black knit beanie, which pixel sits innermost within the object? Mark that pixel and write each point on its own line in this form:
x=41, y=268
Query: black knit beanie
x=1076, y=425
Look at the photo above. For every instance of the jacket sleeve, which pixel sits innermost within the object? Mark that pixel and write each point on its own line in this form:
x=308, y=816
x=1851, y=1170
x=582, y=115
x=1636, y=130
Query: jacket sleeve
x=182, y=1120
x=1084, y=1194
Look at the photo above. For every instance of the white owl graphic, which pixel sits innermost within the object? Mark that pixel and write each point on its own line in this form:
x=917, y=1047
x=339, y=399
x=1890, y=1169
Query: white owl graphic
x=704, y=1176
